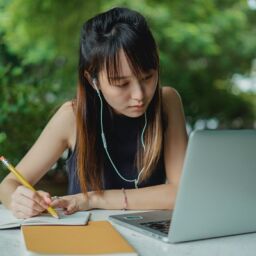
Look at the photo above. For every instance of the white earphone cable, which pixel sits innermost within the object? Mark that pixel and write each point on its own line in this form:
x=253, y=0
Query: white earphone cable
x=105, y=142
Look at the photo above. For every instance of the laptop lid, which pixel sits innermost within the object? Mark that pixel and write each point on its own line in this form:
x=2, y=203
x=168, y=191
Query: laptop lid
x=217, y=190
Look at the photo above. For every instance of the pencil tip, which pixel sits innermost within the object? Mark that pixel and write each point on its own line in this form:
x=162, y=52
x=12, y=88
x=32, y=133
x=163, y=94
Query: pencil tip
x=55, y=215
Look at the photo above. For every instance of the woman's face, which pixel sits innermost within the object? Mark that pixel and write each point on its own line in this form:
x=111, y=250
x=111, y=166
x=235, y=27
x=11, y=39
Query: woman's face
x=128, y=95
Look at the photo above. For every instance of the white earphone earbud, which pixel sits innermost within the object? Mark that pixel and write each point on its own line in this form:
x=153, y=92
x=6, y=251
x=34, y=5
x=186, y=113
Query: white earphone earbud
x=94, y=81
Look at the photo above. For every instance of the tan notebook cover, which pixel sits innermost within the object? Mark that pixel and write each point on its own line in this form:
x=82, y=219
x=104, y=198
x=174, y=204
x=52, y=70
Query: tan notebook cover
x=98, y=237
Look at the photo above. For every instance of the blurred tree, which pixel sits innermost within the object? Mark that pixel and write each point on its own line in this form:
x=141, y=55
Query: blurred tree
x=24, y=104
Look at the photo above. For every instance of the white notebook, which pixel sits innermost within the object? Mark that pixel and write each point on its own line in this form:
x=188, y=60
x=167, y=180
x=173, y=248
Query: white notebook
x=7, y=220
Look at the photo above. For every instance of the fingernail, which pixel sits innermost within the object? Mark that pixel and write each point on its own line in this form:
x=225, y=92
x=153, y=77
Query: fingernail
x=47, y=200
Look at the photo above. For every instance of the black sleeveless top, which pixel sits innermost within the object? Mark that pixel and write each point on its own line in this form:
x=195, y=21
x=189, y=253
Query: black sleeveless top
x=123, y=137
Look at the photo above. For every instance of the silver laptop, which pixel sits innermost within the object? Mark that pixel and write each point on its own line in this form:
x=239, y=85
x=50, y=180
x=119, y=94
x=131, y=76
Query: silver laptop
x=217, y=192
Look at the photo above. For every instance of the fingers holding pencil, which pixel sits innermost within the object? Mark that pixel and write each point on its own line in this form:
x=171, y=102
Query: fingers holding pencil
x=26, y=184
x=26, y=203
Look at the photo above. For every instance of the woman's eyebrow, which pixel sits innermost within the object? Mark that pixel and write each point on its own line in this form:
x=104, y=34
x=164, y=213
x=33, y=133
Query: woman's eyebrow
x=119, y=77
x=124, y=77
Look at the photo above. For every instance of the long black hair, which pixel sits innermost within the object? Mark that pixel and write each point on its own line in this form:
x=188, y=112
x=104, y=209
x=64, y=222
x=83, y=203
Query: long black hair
x=102, y=38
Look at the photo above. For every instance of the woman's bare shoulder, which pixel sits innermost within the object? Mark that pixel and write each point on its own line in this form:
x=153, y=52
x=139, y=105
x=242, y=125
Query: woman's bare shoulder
x=171, y=98
x=64, y=122
x=67, y=108
x=66, y=113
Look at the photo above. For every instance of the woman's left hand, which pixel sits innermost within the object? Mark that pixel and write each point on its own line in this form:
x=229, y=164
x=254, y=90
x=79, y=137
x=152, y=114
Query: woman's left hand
x=71, y=203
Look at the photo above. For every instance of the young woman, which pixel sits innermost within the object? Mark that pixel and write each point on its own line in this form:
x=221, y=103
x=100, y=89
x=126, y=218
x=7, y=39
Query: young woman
x=126, y=133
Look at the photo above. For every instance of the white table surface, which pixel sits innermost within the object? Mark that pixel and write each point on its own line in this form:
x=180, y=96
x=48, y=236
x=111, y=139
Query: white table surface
x=241, y=245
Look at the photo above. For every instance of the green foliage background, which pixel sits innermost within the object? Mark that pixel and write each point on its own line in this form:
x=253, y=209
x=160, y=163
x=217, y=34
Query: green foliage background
x=202, y=43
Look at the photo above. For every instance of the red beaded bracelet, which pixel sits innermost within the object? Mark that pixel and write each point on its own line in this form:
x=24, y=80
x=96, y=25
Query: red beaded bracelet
x=125, y=200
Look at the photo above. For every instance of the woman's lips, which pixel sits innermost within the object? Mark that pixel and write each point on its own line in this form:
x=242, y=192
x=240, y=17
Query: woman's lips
x=137, y=106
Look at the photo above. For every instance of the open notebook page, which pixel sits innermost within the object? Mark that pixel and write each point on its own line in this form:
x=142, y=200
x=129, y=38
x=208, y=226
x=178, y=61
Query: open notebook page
x=7, y=220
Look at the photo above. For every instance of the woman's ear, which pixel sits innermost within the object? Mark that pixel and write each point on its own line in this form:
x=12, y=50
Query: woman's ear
x=88, y=76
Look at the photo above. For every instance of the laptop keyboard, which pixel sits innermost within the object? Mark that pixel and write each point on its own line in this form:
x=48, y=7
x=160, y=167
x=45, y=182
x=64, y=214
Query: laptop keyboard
x=162, y=226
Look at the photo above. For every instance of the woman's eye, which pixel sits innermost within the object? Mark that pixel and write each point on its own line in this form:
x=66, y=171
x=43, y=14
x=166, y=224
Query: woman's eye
x=147, y=77
x=121, y=85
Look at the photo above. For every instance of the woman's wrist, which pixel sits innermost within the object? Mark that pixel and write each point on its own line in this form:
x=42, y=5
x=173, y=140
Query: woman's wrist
x=92, y=198
x=82, y=201
x=116, y=199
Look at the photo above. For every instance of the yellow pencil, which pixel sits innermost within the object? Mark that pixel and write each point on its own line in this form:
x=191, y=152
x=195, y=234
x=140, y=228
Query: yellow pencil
x=25, y=183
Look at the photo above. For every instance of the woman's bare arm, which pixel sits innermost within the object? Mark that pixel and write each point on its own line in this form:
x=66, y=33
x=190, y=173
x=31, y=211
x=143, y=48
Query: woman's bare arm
x=55, y=138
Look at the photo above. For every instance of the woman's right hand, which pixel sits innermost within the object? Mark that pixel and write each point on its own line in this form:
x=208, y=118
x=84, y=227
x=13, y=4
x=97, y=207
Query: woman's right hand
x=26, y=203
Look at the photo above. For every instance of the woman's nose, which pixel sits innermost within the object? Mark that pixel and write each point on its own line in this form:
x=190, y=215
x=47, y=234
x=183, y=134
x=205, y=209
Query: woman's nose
x=137, y=92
